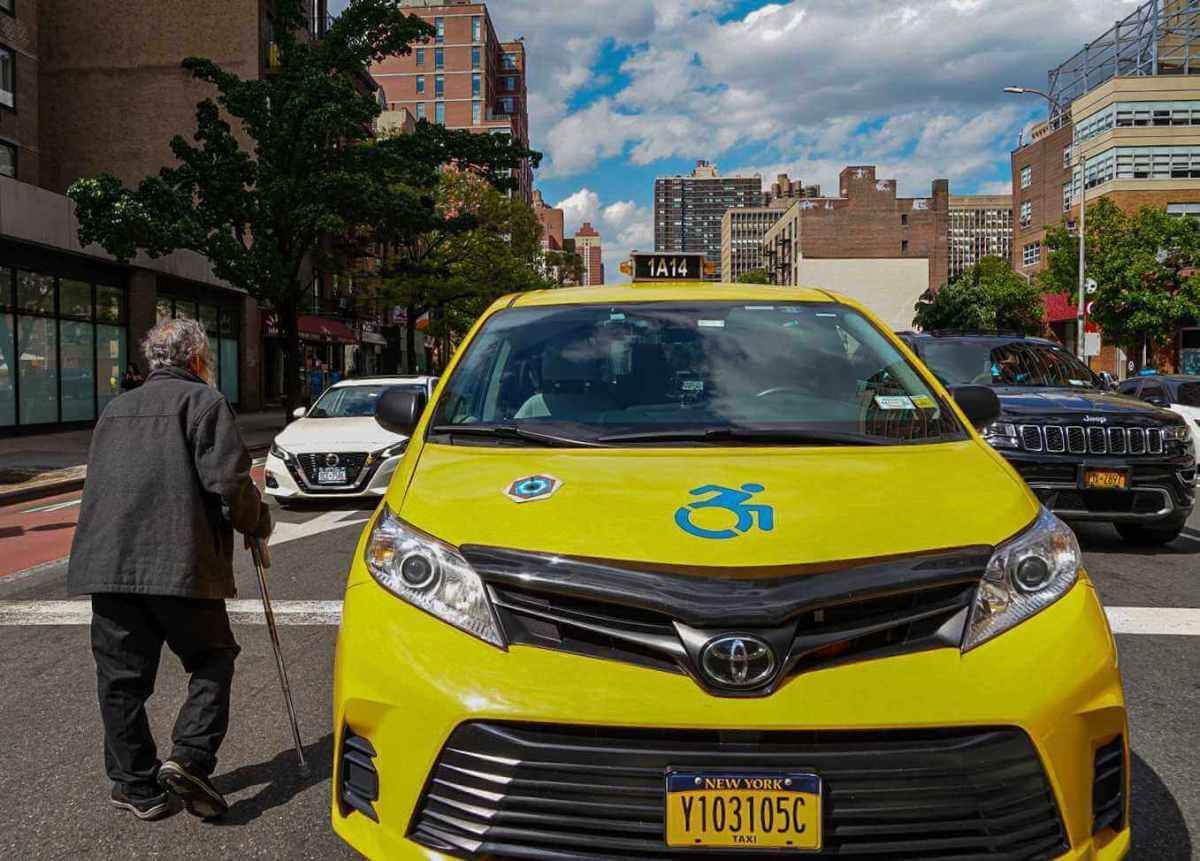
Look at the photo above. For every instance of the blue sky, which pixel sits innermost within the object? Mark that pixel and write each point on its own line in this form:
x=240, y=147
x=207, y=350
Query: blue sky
x=623, y=91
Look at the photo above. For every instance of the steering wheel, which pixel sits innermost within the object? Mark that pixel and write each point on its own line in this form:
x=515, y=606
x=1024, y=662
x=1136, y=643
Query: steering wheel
x=780, y=390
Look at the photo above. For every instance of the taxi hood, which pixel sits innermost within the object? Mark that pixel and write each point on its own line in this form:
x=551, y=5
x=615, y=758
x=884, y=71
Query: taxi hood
x=710, y=507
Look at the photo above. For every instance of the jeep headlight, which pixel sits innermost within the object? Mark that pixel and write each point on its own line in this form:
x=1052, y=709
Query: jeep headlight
x=430, y=575
x=1024, y=576
x=1002, y=435
x=1177, y=433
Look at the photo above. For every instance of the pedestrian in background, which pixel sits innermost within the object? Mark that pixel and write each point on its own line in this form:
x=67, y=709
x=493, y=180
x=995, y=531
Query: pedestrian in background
x=168, y=481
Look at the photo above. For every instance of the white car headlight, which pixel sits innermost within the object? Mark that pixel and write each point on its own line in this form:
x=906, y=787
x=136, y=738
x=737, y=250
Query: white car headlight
x=430, y=575
x=391, y=451
x=280, y=453
x=1024, y=576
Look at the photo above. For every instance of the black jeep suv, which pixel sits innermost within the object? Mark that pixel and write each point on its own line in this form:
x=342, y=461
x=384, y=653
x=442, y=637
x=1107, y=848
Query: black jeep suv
x=1088, y=454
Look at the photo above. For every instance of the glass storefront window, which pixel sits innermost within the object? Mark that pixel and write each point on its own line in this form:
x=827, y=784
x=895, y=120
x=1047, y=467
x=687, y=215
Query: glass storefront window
x=185, y=310
x=165, y=309
x=6, y=288
x=110, y=304
x=8, y=391
x=75, y=351
x=74, y=298
x=35, y=292
x=208, y=318
x=38, y=369
x=229, y=369
x=110, y=363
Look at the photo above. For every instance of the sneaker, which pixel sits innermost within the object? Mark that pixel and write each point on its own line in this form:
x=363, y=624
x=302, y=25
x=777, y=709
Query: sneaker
x=146, y=809
x=199, y=796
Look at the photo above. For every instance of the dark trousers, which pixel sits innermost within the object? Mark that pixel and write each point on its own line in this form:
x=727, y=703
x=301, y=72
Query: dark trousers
x=128, y=632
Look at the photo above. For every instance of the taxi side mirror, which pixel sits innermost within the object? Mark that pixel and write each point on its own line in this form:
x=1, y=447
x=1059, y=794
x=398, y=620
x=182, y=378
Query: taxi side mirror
x=978, y=403
x=398, y=411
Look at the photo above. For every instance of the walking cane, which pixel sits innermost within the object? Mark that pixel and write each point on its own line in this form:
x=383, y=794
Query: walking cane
x=262, y=560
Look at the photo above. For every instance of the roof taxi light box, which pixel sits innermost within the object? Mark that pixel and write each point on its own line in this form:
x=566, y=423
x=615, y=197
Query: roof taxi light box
x=668, y=267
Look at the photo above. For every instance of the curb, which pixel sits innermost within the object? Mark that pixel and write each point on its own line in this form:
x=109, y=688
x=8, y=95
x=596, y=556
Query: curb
x=70, y=485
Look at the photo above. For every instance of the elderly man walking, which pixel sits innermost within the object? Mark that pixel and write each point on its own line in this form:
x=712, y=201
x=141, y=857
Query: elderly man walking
x=168, y=481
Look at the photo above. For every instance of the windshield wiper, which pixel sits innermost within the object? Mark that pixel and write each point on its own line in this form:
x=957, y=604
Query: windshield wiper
x=514, y=431
x=747, y=434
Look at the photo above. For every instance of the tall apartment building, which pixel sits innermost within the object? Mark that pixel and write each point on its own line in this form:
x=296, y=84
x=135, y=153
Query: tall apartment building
x=688, y=210
x=981, y=226
x=1126, y=127
x=589, y=247
x=463, y=78
x=742, y=232
x=84, y=91
x=867, y=243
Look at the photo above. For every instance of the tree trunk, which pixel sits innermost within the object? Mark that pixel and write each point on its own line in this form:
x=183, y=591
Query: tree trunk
x=410, y=340
x=288, y=322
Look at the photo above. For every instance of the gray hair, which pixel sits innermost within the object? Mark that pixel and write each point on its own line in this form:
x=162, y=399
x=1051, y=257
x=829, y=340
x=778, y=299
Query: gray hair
x=175, y=343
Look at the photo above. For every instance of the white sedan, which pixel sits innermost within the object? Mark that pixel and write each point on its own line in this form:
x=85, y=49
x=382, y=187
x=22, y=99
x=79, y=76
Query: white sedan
x=336, y=449
x=1177, y=392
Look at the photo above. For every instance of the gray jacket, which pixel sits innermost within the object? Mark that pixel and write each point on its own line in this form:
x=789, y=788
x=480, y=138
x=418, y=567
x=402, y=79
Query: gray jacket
x=168, y=480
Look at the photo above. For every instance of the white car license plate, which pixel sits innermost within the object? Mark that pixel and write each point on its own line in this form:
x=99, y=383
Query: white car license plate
x=331, y=475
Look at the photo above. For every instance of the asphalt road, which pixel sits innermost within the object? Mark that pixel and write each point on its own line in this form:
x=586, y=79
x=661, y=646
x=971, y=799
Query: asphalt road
x=55, y=795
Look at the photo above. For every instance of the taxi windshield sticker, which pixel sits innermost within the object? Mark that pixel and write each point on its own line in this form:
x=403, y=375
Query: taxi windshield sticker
x=894, y=402
x=924, y=402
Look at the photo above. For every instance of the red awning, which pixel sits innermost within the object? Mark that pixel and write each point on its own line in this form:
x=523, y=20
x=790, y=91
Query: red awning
x=1059, y=308
x=324, y=329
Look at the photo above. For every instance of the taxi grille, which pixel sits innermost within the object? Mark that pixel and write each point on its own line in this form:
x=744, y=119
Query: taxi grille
x=580, y=794
x=1056, y=439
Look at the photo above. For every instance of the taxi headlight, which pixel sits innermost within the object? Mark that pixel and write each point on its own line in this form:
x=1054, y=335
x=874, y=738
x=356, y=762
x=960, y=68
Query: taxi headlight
x=1024, y=576
x=430, y=575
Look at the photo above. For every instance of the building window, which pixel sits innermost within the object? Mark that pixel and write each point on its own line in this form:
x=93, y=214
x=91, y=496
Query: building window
x=1026, y=176
x=420, y=84
x=420, y=110
x=510, y=83
x=439, y=58
x=476, y=84
x=476, y=28
x=510, y=61
x=1066, y=196
x=439, y=113
x=8, y=159
x=420, y=56
x=904, y=219
x=8, y=78
x=439, y=26
x=1066, y=156
x=439, y=86
x=1179, y=210
x=1026, y=213
x=903, y=246
x=1031, y=254
x=476, y=58
x=506, y=106
x=476, y=113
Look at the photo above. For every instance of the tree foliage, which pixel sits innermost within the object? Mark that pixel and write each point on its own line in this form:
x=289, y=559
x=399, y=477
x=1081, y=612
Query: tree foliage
x=275, y=165
x=989, y=296
x=1142, y=264
x=755, y=276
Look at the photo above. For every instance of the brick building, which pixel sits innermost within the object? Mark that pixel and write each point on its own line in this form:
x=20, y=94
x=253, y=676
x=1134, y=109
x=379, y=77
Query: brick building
x=552, y=223
x=463, y=78
x=1127, y=111
x=589, y=247
x=84, y=90
x=867, y=243
x=743, y=229
x=688, y=210
x=981, y=225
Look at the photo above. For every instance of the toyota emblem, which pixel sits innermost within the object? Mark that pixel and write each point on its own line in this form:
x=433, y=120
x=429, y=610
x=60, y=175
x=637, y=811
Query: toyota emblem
x=740, y=662
x=332, y=459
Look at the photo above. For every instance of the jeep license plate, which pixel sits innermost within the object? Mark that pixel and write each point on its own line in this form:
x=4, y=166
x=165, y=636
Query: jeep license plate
x=744, y=810
x=1105, y=479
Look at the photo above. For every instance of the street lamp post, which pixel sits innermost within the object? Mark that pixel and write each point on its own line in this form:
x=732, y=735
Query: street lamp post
x=1077, y=155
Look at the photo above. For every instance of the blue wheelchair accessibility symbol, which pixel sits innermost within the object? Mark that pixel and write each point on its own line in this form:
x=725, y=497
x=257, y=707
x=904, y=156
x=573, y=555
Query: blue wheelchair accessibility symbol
x=731, y=500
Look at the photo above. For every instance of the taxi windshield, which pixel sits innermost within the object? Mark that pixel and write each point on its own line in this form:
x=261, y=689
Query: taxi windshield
x=1005, y=363
x=353, y=402
x=678, y=373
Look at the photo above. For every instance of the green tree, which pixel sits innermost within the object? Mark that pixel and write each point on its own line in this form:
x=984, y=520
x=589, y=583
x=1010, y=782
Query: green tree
x=989, y=296
x=1142, y=264
x=566, y=267
x=755, y=276
x=277, y=165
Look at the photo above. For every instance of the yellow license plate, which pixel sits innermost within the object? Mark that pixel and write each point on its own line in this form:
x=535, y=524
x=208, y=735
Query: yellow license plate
x=1104, y=479
x=744, y=810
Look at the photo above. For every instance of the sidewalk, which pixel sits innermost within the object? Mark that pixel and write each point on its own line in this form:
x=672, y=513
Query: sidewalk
x=41, y=465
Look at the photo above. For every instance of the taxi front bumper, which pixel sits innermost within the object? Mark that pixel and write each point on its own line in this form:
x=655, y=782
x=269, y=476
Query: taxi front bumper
x=405, y=682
